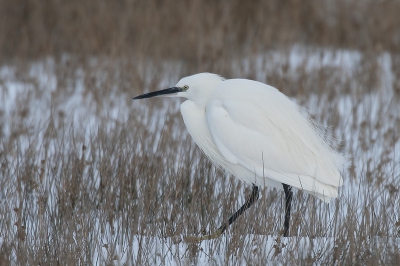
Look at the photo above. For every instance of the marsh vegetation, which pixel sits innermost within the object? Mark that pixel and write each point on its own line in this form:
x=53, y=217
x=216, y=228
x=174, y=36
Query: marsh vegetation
x=88, y=177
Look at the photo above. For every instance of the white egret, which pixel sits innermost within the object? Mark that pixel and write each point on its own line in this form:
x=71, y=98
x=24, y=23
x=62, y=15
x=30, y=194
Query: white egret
x=259, y=135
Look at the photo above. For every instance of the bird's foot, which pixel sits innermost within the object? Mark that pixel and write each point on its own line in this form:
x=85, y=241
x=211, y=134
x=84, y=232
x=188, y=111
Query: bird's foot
x=196, y=239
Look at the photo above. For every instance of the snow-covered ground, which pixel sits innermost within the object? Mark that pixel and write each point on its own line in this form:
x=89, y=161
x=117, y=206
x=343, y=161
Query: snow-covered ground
x=379, y=109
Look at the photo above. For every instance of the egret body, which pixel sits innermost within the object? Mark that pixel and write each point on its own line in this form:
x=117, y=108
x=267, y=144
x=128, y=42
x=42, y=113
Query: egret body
x=259, y=135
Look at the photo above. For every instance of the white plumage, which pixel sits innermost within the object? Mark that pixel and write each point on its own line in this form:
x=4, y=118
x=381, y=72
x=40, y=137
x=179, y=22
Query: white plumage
x=259, y=135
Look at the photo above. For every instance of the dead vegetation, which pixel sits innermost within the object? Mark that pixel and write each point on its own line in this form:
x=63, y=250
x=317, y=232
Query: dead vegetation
x=89, y=177
x=197, y=32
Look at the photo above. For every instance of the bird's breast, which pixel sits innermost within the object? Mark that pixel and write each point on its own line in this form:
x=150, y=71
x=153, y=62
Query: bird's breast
x=194, y=117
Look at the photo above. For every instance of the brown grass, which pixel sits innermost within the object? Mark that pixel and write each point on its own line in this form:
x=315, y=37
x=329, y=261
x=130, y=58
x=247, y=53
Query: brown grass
x=98, y=178
x=194, y=31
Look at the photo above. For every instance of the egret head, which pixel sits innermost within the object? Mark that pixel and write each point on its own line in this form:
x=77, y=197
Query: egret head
x=197, y=88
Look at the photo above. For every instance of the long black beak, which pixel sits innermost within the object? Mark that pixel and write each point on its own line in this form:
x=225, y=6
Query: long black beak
x=172, y=90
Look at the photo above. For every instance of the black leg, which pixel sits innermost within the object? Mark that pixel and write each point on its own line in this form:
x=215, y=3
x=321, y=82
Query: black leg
x=253, y=198
x=288, y=202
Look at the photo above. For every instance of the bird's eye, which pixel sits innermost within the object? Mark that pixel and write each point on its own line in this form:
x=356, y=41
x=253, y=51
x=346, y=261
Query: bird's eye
x=185, y=88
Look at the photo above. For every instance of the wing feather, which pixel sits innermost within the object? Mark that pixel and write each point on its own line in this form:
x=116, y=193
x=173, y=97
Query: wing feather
x=264, y=131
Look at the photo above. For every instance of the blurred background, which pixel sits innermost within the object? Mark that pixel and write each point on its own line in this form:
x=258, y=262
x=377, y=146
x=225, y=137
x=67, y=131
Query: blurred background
x=89, y=177
x=196, y=32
